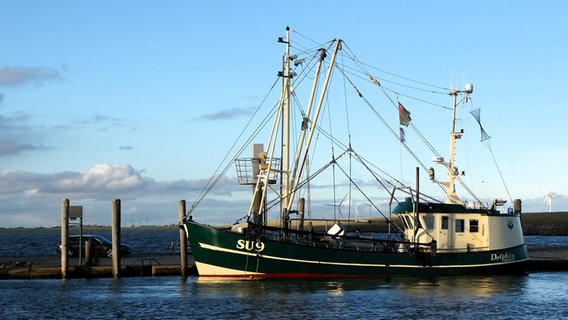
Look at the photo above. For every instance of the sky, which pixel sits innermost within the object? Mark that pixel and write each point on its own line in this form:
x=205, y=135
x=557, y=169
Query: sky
x=139, y=100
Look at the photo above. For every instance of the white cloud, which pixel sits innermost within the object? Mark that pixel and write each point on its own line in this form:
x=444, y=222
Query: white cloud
x=30, y=199
x=102, y=177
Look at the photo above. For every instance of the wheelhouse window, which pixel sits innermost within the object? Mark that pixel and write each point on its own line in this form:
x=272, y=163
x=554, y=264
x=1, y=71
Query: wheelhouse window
x=445, y=221
x=405, y=221
x=460, y=225
x=409, y=222
x=429, y=222
x=473, y=225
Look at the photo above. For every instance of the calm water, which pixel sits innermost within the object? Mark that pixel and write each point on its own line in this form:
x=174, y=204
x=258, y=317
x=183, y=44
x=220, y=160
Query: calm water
x=33, y=242
x=535, y=296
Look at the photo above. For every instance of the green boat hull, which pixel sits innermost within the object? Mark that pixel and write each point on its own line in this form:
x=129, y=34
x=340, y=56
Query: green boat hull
x=222, y=253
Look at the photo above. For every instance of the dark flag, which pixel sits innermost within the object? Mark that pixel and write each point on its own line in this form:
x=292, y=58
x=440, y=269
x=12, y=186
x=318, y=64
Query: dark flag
x=402, y=135
x=403, y=115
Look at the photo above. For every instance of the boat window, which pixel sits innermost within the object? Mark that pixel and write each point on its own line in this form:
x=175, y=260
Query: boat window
x=409, y=222
x=403, y=219
x=460, y=225
x=445, y=222
x=429, y=221
x=473, y=225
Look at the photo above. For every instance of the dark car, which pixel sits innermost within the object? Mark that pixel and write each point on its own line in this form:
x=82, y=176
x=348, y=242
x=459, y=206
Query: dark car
x=102, y=246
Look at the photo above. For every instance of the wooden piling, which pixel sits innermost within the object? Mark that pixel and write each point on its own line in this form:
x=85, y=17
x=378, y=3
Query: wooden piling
x=64, y=236
x=89, y=253
x=182, y=239
x=116, y=238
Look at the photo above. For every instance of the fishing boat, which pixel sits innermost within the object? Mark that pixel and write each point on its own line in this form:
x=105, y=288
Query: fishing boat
x=285, y=232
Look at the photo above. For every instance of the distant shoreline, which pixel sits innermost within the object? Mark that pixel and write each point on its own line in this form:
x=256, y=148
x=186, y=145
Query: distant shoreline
x=545, y=224
x=539, y=224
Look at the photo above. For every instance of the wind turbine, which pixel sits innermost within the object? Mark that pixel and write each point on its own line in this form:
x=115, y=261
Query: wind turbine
x=548, y=196
x=349, y=204
x=548, y=199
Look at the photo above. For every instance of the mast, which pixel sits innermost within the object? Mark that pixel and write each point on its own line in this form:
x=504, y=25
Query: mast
x=305, y=123
x=306, y=147
x=285, y=173
x=286, y=119
x=453, y=172
x=262, y=162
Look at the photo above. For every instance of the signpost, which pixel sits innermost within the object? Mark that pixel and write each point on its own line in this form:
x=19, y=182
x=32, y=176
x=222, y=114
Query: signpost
x=76, y=212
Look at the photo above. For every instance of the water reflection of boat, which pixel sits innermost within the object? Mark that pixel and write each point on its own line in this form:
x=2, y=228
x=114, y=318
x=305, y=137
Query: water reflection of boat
x=428, y=237
x=403, y=287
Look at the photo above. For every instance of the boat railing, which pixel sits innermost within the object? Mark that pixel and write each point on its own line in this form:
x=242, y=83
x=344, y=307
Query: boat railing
x=476, y=205
x=463, y=250
x=248, y=170
x=325, y=240
x=357, y=242
x=375, y=245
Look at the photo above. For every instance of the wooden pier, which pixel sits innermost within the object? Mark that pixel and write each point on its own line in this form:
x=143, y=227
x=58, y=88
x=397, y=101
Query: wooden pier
x=548, y=258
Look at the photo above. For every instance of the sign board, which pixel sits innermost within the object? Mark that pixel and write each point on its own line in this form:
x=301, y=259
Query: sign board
x=75, y=212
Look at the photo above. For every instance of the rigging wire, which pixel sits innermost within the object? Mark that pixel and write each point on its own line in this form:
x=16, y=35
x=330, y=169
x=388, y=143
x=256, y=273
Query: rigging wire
x=219, y=173
x=345, y=70
x=378, y=115
x=488, y=144
x=349, y=141
x=500, y=173
x=356, y=185
x=468, y=190
x=365, y=77
x=363, y=65
x=403, y=143
x=370, y=167
x=334, y=163
x=316, y=43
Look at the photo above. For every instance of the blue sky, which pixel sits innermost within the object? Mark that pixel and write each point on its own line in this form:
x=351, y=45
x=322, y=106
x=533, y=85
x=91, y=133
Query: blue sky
x=139, y=100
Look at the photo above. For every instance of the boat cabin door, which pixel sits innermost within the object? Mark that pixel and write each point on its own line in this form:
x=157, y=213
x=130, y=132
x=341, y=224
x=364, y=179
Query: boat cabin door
x=443, y=234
